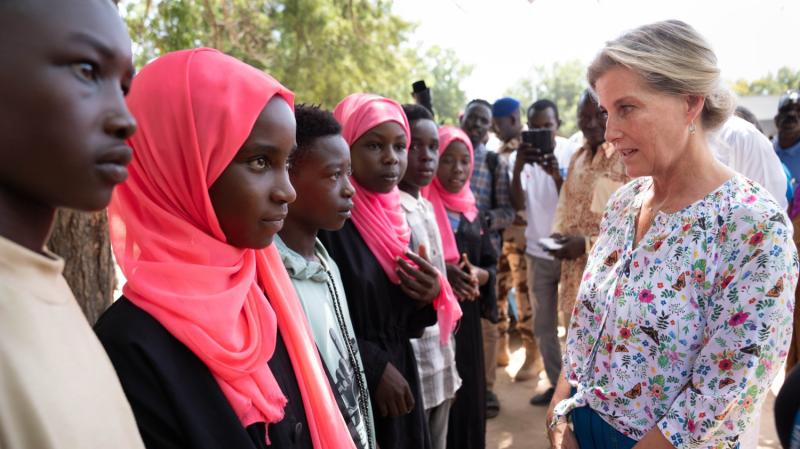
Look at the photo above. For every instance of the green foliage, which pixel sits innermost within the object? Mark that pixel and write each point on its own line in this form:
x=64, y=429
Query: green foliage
x=771, y=84
x=321, y=49
x=562, y=83
x=443, y=73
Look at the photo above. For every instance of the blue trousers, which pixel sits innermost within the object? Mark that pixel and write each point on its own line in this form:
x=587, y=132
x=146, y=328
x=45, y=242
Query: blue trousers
x=594, y=433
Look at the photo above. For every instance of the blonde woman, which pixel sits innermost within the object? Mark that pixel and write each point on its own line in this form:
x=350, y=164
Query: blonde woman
x=684, y=314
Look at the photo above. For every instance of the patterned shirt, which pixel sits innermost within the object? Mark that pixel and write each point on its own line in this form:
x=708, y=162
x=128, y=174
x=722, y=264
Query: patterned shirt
x=575, y=215
x=436, y=364
x=687, y=330
x=502, y=214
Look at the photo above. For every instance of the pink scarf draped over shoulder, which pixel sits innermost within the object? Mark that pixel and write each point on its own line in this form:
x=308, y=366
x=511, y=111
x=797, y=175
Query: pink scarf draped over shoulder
x=462, y=202
x=379, y=217
x=195, y=109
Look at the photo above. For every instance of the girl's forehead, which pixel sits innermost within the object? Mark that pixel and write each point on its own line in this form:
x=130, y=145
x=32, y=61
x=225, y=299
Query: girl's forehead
x=388, y=130
x=457, y=148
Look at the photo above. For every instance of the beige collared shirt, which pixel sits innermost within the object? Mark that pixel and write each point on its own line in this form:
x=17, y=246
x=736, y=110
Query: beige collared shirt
x=57, y=386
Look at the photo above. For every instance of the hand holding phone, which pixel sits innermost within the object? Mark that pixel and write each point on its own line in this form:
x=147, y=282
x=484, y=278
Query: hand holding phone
x=539, y=138
x=550, y=244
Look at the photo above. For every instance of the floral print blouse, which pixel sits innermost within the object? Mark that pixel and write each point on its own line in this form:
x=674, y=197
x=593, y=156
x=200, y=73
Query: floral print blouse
x=687, y=330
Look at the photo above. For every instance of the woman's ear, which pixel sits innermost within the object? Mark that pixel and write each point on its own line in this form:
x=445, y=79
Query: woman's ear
x=694, y=107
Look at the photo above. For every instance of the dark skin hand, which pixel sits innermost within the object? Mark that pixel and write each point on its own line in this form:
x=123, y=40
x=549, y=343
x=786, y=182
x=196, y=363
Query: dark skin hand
x=464, y=280
x=420, y=284
x=550, y=165
x=574, y=246
x=393, y=395
x=527, y=154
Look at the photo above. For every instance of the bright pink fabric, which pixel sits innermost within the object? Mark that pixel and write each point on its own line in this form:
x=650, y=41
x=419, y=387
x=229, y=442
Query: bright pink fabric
x=442, y=200
x=378, y=217
x=195, y=108
x=325, y=421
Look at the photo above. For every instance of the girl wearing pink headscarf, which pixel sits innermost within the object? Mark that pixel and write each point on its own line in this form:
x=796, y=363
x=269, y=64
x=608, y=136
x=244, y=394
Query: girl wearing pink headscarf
x=389, y=289
x=471, y=262
x=209, y=340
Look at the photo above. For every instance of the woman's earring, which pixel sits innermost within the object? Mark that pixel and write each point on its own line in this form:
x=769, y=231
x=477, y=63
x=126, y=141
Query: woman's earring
x=692, y=128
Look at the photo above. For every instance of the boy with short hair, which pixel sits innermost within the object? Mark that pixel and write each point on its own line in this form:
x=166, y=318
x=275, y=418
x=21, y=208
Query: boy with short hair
x=319, y=172
x=63, y=125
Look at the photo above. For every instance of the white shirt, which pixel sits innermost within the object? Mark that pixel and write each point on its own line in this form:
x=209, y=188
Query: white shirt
x=436, y=364
x=743, y=148
x=541, y=197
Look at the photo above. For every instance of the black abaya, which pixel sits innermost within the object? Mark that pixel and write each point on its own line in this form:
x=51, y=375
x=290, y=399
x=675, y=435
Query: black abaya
x=175, y=398
x=467, y=425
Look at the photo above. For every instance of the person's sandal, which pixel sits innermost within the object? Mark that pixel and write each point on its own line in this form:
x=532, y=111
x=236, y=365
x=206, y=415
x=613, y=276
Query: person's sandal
x=492, y=405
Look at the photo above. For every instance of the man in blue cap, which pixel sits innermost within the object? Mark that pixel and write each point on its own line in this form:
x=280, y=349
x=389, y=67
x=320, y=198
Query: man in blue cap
x=511, y=269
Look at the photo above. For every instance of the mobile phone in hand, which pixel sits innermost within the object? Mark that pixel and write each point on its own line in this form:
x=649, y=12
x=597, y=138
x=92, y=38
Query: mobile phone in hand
x=550, y=244
x=540, y=138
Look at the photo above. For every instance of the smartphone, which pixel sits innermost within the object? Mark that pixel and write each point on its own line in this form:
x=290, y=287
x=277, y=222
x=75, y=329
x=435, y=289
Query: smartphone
x=539, y=138
x=550, y=244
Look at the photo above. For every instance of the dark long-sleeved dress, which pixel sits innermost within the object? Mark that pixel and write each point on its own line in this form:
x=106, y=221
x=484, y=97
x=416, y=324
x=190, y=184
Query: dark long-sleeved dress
x=384, y=319
x=467, y=425
x=176, y=400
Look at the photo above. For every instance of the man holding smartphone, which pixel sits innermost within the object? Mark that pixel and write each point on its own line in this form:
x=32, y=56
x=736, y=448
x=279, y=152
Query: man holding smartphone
x=535, y=186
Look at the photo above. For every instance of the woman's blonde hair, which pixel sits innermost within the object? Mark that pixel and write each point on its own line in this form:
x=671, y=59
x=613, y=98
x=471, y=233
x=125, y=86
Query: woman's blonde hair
x=673, y=58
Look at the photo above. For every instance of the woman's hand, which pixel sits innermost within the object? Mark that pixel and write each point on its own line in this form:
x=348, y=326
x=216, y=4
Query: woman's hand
x=422, y=283
x=561, y=437
x=393, y=395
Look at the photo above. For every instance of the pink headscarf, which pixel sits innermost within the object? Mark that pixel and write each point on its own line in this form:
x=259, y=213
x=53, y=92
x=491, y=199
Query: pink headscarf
x=379, y=217
x=195, y=109
x=442, y=200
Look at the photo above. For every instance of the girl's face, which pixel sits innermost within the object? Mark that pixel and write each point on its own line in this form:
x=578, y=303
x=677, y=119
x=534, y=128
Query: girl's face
x=423, y=154
x=380, y=158
x=251, y=196
x=454, y=165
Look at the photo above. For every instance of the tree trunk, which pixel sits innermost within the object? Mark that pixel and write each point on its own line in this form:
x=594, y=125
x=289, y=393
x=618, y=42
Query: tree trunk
x=82, y=240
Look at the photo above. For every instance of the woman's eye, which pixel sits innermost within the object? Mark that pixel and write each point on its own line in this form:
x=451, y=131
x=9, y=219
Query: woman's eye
x=400, y=147
x=374, y=146
x=260, y=163
x=85, y=71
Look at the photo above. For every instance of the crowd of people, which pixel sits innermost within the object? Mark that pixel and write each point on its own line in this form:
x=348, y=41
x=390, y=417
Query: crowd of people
x=303, y=278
